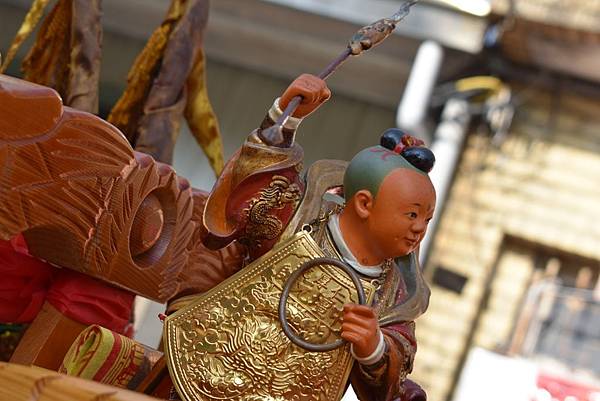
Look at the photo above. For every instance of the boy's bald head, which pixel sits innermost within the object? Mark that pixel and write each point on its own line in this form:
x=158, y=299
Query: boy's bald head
x=368, y=169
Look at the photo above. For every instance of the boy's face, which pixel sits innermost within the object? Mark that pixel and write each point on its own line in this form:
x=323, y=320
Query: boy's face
x=400, y=213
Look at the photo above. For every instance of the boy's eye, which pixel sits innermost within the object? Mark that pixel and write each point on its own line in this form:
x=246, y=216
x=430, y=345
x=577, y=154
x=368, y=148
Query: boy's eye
x=412, y=215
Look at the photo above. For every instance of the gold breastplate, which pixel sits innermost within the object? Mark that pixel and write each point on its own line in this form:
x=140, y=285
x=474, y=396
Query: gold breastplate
x=229, y=343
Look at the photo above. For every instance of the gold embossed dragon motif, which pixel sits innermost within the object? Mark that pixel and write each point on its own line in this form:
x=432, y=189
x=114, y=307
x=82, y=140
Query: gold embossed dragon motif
x=262, y=224
x=230, y=345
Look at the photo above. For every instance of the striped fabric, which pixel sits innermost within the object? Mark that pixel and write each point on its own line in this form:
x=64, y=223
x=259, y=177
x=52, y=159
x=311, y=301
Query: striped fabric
x=104, y=356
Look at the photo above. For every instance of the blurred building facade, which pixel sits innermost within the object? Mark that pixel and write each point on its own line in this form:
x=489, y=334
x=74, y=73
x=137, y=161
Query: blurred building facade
x=523, y=215
x=518, y=213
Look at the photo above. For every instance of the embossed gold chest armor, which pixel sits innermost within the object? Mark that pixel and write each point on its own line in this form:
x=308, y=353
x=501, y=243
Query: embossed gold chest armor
x=229, y=345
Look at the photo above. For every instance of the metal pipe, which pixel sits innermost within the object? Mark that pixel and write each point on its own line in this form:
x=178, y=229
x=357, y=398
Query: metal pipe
x=414, y=105
x=447, y=144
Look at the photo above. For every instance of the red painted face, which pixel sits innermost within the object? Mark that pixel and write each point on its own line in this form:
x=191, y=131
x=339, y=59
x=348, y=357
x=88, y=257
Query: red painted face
x=400, y=213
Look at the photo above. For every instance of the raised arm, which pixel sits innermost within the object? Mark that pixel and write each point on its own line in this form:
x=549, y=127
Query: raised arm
x=260, y=187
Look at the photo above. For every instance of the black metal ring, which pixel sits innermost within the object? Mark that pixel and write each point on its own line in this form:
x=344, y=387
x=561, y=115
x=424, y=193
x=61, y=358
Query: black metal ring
x=362, y=299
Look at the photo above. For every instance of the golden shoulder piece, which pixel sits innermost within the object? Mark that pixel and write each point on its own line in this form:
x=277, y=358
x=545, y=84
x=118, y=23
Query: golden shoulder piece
x=229, y=344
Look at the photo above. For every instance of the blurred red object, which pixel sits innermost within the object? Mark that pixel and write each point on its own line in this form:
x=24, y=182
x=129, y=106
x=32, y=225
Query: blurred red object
x=561, y=388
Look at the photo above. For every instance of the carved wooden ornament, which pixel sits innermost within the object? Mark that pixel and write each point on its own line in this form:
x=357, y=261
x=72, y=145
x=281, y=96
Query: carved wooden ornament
x=83, y=199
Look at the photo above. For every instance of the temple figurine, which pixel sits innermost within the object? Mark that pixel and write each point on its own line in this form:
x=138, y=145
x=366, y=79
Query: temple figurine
x=254, y=211
x=174, y=243
x=258, y=306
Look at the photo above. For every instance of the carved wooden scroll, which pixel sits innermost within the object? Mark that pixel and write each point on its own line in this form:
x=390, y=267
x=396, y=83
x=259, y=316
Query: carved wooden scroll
x=83, y=199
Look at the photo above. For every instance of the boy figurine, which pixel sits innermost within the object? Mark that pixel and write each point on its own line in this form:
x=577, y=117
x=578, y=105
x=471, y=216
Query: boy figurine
x=389, y=200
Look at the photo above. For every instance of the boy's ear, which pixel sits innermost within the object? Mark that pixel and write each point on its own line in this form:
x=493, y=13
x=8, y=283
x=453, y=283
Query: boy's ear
x=363, y=203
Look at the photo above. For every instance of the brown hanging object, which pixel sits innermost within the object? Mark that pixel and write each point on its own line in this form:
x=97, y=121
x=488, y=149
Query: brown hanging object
x=67, y=52
x=163, y=109
x=47, y=61
x=200, y=116
x=85, y=55
x=168, y=81
x=29, y=23
x=126, y=113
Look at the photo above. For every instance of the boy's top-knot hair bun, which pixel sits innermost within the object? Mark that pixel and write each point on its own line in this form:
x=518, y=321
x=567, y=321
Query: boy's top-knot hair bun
x=409, y=147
